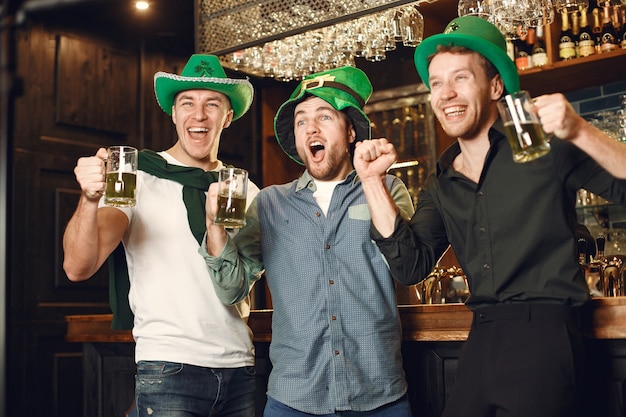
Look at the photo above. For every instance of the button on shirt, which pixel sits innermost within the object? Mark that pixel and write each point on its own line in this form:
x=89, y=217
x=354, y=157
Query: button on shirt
x=336, y=334
x=513, y=232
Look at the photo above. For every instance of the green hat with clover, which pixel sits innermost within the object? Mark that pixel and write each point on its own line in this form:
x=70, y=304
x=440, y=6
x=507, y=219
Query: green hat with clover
x=203, y=72
x=346, y=89
x=474, y=33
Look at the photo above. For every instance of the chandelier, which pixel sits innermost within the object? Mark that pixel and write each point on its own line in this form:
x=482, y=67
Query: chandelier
x=289, y=39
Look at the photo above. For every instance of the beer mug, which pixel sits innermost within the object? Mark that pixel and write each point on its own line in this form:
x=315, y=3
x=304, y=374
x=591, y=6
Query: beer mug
x=121, y=176
x=522, y=127
x=231, y=197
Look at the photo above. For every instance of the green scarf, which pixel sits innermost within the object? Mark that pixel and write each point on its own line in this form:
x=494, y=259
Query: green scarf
x=195, y=183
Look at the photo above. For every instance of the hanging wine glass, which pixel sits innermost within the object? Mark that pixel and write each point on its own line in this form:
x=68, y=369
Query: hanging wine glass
x=479, y=8
x=412, y=25
x=396, y=24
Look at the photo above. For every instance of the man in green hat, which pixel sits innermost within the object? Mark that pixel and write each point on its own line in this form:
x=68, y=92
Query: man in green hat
x=336, y=333
x=194, y=354
x=512, y=227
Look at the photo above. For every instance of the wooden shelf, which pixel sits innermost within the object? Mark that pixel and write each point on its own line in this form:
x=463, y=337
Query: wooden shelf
x=564, y=76
x=574, y=74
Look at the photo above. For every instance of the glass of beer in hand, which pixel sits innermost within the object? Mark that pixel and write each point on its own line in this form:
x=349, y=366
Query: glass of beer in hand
x=121, y=176
x=522, y=128
x=231, y=198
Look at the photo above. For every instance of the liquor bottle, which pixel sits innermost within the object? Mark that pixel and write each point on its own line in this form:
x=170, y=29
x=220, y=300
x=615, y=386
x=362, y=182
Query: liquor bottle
x=593, y=273
x=599, y=262
x=567, y=47
x=615, y=20
x=582, y=252
x=411, y=186
x=623, y=34
x=600, y=245
x=575, y=18
x=540, y=57
x=609, y=37
x=522, y=52
x=586, y=39
x=597, y=29
x=510, y=49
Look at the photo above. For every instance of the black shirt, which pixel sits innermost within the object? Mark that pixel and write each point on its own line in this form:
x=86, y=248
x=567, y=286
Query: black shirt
x=514, y=233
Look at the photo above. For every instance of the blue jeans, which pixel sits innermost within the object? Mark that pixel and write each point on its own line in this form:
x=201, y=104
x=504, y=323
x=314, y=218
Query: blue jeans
x=168, y=389
x=398, y=408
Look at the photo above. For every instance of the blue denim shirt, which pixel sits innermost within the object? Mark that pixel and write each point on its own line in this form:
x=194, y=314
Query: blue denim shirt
x=336, y=334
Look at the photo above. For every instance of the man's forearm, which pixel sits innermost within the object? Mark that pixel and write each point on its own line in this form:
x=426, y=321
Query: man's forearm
x=606, y=151
x=80, y=241
x=382, y=207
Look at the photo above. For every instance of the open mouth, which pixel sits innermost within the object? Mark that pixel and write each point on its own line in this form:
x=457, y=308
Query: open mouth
x=454, y=111
x=316, y=148
x=197, y=133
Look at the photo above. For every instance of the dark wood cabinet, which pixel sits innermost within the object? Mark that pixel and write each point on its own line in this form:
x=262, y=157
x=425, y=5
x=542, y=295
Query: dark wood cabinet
x=109, y=379
x=433, y=337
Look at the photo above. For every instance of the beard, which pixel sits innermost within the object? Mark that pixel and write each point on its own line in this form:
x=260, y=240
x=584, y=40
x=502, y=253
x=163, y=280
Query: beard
x=334, y=165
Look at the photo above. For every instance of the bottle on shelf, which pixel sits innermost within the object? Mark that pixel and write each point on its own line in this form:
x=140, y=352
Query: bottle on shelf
x=582, y=252
x=597, y=28
x=412, y=186
x=586, y=39
x=593, y=273
x=510, y=48
x=608, y=41
x=623, y=31
x=539, y=55
x=616, y=21
x=600, y=244
x=575, y=18
x=522, y=51
x=567, y=47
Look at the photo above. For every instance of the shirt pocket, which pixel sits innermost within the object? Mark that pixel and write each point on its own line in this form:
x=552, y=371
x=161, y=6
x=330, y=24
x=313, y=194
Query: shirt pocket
x=359, y=212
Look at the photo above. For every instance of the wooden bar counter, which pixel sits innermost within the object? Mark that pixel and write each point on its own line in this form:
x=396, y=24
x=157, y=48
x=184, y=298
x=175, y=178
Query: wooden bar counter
x=420, y=323
x=432, y=339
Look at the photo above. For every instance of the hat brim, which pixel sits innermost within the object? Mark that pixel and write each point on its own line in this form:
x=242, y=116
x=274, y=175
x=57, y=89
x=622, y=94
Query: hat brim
x=283, y=121
x=240, y=92
x=495, y=55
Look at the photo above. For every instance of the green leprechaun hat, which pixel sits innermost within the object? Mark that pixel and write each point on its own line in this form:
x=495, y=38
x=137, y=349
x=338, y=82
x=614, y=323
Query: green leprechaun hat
x=346, y=89
x=206, y=73
x=474, y=33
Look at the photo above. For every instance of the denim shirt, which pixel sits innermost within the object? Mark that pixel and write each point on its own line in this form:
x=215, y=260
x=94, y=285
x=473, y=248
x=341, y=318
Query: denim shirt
x=336, y=334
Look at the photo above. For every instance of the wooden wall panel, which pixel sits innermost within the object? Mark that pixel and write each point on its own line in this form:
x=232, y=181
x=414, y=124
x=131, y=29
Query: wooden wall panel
x=278, y=168
x=36, y=125
x=158, y=131
x=99, y=106
x=48, y=191
x=96, y=85
x=109, y=375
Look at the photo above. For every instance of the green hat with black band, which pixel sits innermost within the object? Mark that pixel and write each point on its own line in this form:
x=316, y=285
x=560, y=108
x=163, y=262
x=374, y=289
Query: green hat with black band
x=346, y=89
x=474, y=33
x=203, y=72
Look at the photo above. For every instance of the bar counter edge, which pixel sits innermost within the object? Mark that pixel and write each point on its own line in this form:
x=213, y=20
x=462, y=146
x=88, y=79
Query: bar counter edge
x=603, y=318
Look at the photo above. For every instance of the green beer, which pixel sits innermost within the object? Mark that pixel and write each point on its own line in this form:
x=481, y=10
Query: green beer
x=231, y=211
x=528, y=142
x=120, y=190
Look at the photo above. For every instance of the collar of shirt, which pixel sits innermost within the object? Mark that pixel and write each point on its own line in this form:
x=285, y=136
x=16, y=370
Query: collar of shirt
x=496, y=137
x=307, y=182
